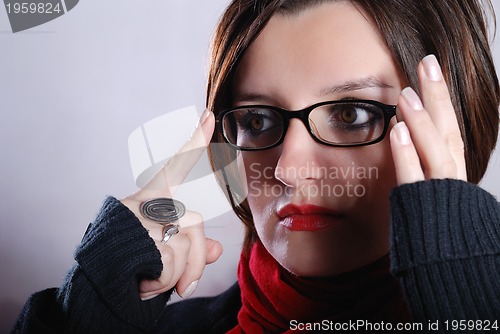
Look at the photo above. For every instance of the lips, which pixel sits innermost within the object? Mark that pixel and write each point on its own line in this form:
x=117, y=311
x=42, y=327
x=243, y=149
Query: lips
x=307, y=217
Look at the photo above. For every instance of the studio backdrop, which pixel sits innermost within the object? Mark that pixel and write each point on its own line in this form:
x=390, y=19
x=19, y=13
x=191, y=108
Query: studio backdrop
x=74, y=86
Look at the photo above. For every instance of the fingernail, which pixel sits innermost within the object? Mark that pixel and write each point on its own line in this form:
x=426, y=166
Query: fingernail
x=189, y=291
x=149, y=297
x=203, y=117
x=402, y=133
x=432, y=68
x=412, y=98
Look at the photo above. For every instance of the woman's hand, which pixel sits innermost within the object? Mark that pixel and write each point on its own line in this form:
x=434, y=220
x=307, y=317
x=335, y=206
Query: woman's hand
x=186, y=254
x=426, y=143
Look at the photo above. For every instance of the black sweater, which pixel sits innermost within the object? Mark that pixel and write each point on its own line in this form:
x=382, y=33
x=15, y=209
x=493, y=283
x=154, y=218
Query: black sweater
x=445, y=251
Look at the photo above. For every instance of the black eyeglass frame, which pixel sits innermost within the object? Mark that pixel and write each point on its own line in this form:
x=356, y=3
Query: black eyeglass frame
x=303, y=114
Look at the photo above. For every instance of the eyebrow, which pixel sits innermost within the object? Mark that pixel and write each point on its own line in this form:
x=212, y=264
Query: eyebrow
x=252, y=97
x=352, y=85
x=348, y=86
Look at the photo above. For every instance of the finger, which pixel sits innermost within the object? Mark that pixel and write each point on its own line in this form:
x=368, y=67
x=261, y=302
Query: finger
x=435, y=95
x=437, y=102
x=196, y=260
x=174, y=257
x=433, y=152
x=178, y=167
x=148, y=288
x=404, y=154
x=214, y=250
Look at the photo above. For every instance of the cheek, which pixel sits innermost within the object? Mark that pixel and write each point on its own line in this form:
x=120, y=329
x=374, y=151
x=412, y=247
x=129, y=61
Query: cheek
x=379, y=159
x=378, y=178
x=360, y=179
x=259, y=170
x=263, y=190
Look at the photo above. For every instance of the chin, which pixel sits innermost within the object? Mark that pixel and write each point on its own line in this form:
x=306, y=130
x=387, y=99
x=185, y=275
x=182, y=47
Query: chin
x=316, y=265
x=311, y=272
x=311, y=268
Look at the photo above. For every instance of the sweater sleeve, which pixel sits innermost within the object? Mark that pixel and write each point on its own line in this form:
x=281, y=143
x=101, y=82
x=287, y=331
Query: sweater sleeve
x=100, y=293
x=446, y=250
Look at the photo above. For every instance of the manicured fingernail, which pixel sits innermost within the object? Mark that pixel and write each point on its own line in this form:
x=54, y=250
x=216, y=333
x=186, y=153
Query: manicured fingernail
x=432, y=68
x=412, y=98
x=149, y=297
x=203, y=117
x=402, y=133
x=189, y=291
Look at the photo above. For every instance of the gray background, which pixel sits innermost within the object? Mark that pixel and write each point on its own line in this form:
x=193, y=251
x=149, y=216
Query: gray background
x=71, y=91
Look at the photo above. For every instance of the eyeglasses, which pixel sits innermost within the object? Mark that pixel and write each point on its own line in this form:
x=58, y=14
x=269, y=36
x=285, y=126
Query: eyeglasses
x=343, y=123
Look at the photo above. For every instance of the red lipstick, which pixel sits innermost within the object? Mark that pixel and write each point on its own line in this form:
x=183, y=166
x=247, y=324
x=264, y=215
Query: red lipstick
x=307, y=217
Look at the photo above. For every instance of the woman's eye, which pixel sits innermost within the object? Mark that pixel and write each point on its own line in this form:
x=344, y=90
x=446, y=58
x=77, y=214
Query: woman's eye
x=256, y=123
x=353, y=116
x=349, y=115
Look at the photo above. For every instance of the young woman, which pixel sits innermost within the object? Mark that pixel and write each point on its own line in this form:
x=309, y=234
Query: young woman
x=351, y=143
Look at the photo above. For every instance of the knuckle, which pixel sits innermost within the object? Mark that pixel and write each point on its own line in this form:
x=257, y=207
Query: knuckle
x=422, y=121
x=448, y=169
x=192, y=219
x=195, y=218
x=413, y=166
x=441, y=94
x=438, y=91
x=454, y=142
x=164, y=279
x=183, y=243
x=167, y=255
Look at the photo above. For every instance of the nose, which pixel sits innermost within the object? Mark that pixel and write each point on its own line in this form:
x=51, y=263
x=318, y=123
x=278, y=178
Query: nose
x=300, y=157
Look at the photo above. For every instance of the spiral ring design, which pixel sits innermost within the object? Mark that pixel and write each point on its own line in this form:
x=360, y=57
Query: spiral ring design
x=163, y=210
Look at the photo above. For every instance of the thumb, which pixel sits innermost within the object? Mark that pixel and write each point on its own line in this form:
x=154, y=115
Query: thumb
x=214, y=250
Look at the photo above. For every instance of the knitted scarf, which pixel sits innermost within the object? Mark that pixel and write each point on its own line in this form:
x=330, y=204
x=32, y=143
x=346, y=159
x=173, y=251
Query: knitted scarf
x=276, y=301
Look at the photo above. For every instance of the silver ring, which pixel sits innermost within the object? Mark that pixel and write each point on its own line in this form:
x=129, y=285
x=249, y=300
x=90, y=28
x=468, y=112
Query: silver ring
x=169, y=231
x=163, y=210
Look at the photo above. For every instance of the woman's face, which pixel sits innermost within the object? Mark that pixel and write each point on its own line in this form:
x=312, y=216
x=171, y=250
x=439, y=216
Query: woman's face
x=319, y=210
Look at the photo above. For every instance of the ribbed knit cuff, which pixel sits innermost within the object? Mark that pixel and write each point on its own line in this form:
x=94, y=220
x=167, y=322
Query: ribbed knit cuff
x=439, y=220
x=115, y=254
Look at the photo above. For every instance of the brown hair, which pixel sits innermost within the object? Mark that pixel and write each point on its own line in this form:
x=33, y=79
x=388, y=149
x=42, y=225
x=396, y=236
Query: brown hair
x=456, y=31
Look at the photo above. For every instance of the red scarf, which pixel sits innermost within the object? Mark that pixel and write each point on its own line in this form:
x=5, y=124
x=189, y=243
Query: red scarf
x=272, y=297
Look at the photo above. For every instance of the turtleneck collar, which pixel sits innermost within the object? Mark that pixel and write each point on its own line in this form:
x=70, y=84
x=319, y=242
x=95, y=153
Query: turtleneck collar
x=272, y=297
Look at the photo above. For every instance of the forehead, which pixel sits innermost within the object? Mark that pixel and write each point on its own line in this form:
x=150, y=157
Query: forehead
x=306, y=52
